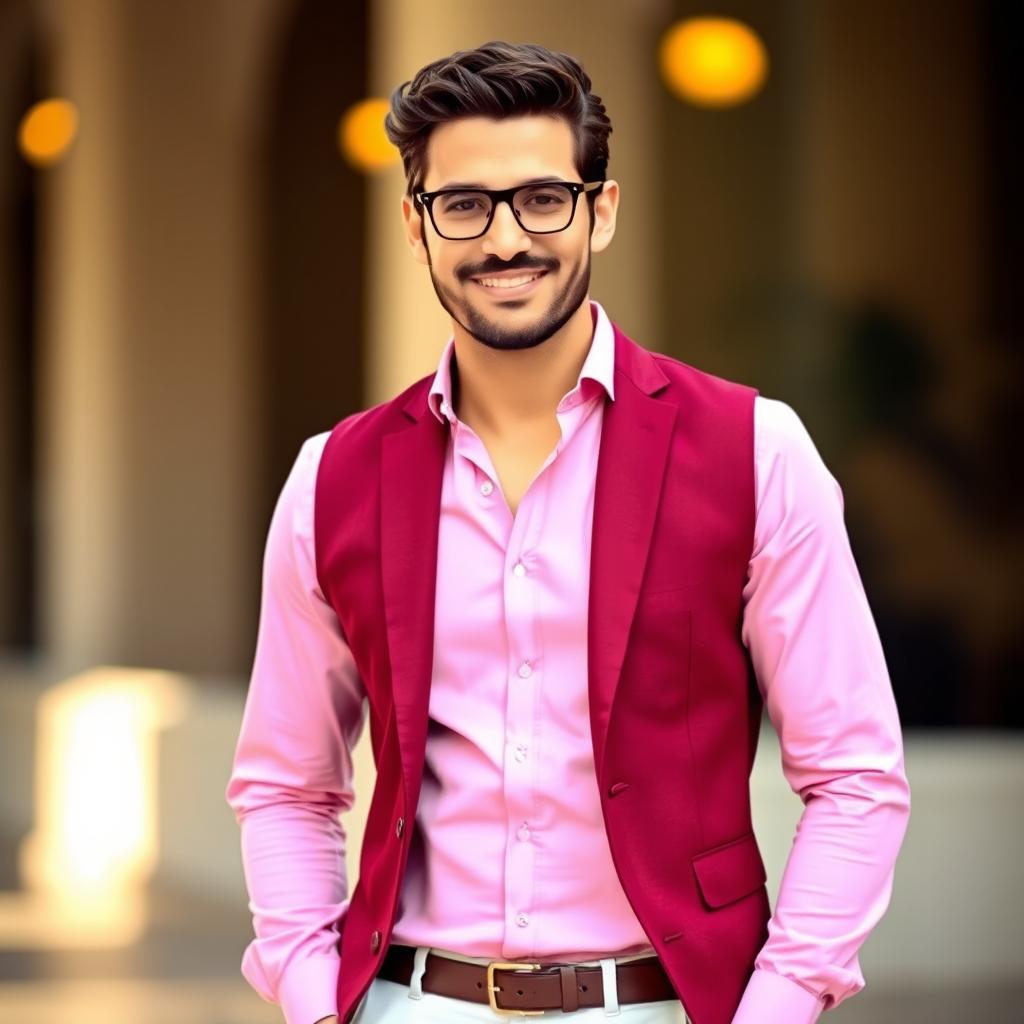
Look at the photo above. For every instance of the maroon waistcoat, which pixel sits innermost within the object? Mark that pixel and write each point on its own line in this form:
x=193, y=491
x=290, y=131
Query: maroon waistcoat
x=674, y=706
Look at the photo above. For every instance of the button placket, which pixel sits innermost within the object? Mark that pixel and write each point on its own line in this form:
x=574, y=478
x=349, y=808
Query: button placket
x=524, y=670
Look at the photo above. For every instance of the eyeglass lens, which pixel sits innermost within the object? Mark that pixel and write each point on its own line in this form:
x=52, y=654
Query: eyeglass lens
x=539, y=208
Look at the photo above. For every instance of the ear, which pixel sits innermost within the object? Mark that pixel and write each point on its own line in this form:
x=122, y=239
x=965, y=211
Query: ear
x=605, y=209
x=414, y=224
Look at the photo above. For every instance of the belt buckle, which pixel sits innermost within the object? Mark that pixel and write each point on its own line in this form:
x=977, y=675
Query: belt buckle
x=493, y=989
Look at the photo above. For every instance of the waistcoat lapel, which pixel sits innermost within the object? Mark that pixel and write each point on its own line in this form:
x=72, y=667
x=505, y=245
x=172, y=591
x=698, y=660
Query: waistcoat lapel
x=412, y=469
x=635, y=439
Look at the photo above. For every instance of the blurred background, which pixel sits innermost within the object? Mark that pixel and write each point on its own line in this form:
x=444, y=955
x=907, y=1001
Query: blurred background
x=202, y=264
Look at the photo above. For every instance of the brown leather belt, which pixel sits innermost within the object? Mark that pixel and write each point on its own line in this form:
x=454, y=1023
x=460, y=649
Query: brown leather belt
x=518, y=989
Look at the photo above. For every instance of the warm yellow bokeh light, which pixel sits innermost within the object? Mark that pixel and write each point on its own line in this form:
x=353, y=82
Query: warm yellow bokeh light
x=47, y=131
x=94, y=847
x=361, y=137
x=713, y=62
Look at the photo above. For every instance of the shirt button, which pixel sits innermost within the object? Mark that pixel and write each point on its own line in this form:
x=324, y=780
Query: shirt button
x=520, y=753
x=519, y=569
x=486, y=487
x=400, y=824
x=522, y=920
x=374, y=942
x=524, y=832
x=525, y=671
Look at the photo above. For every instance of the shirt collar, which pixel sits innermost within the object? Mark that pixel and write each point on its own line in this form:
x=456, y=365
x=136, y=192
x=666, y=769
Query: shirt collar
x=599, y=366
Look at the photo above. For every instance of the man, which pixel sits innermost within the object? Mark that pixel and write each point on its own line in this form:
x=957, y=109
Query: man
x=566, y=574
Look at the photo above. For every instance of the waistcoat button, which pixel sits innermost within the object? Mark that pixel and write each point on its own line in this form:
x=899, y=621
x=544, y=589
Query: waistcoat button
x=374, y=942
x=399, y=826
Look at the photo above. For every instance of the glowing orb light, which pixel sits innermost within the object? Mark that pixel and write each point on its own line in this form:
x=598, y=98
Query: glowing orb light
x=361, y=137
x=47, y=131
x=713, y=62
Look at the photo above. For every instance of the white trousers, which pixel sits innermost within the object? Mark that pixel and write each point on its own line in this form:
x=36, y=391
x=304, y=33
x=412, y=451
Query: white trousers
x=390, y=1002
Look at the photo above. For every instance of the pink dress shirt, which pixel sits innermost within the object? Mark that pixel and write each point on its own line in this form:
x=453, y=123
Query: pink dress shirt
x=509, y=808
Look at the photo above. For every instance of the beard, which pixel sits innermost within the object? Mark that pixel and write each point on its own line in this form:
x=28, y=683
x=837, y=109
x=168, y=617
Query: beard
x=494, y=334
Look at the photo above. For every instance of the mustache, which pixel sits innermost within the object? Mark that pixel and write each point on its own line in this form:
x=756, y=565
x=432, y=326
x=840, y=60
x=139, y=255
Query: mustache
x=497, y=268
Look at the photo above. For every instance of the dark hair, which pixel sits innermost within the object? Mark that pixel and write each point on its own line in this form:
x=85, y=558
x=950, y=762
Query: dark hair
x=499, y=80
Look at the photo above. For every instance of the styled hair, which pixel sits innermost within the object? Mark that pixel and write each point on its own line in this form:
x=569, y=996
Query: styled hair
x=499, y=80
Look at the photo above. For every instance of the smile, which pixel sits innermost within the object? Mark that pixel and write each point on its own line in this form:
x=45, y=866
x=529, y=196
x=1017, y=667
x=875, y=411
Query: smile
x=510, y=287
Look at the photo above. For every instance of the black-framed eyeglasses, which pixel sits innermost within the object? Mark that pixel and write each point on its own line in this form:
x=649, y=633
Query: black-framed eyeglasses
x=540, y=207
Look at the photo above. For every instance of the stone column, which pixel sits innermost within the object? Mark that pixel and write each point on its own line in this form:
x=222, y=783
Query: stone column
x=145, y=300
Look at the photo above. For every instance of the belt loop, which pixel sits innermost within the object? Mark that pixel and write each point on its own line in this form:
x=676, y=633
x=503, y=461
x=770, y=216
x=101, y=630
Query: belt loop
x=419, y=965
x=610, y=985
x=570, y=992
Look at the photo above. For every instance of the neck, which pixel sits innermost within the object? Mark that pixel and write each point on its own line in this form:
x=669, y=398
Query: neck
x=499, y=392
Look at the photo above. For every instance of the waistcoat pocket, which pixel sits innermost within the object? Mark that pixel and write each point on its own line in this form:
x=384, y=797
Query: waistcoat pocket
x=727, y=872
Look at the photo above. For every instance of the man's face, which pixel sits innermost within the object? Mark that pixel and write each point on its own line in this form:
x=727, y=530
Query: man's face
x=500, y=154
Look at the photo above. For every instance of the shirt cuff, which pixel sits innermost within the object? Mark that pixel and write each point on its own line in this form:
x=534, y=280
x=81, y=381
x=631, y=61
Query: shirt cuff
x=309, y=989
x=771, y=998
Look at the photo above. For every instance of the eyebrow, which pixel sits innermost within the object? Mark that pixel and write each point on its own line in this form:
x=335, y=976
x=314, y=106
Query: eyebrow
x=477, y=184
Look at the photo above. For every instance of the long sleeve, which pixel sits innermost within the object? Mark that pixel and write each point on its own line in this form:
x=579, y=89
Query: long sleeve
x=821, y=670
x=292, y=770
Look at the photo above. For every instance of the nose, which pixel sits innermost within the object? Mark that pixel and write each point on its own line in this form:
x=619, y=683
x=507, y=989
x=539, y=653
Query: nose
x=504, y=238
